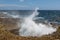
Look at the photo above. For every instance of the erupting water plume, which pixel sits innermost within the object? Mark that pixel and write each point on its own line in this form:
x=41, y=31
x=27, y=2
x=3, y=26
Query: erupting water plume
x=30, y=28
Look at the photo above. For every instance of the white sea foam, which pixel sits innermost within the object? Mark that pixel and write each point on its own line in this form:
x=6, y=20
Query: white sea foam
x=29, y=28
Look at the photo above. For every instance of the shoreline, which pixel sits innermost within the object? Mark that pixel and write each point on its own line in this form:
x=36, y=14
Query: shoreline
x=12, y=35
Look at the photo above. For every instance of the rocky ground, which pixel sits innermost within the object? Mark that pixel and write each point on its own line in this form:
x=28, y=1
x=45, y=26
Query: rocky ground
x=6, y=33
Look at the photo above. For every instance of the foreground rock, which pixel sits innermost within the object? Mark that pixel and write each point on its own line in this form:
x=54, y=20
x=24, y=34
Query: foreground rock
x=6, y=35
x=8, y=28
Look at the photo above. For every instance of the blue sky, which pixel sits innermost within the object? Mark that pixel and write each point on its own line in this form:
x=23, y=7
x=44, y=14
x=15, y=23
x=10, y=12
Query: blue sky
x=30, y=4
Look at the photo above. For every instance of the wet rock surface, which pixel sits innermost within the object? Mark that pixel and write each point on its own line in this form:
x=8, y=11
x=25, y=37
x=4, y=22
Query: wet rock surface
x=12, y=34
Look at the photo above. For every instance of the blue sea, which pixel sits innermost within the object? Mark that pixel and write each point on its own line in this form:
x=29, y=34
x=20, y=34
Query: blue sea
x=49, y=15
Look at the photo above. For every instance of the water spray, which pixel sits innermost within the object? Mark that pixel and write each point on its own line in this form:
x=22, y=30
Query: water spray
x=28, y=27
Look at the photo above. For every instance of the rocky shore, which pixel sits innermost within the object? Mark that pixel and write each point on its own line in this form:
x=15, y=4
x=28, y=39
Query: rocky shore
x=8, y=30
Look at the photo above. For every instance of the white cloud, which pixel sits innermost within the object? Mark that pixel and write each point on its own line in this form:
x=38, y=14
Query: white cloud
x=12, y=5
x=21, y=0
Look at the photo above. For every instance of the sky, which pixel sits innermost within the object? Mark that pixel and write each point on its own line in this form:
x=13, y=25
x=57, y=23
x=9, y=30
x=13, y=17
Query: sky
x=30, y=4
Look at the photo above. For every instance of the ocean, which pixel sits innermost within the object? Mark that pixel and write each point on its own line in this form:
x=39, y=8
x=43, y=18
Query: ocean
x=49, y=15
